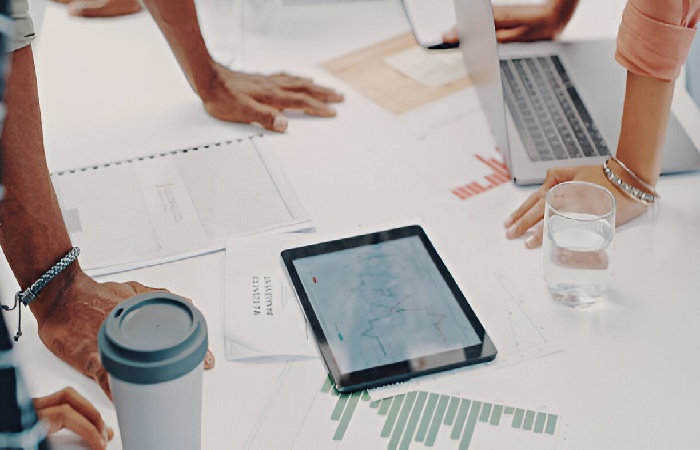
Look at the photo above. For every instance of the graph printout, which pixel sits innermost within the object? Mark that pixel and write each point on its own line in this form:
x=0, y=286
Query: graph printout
x=384, y=303
x=420, y=419
x=305, y=412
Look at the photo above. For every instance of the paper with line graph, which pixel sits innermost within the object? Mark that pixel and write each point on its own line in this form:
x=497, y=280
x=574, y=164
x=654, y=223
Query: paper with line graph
x=306, y=412
x=515, y=328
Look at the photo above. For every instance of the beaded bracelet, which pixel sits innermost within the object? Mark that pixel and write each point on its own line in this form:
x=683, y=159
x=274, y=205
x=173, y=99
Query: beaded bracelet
x=28, y=295
x=631, y=191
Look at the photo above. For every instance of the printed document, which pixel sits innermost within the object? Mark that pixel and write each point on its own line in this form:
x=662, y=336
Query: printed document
x=262, y=316
x=168, y=206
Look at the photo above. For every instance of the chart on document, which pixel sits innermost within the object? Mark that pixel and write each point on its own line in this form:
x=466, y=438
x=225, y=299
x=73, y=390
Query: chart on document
x=311, y=414
x=420, y=419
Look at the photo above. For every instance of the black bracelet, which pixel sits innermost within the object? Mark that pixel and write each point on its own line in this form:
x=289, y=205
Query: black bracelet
x=28, y=295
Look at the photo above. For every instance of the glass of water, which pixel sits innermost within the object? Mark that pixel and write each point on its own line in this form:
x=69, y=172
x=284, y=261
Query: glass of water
x=578, y=244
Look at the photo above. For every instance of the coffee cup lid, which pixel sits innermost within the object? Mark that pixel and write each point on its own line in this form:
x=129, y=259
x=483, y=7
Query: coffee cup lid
x=152, y=338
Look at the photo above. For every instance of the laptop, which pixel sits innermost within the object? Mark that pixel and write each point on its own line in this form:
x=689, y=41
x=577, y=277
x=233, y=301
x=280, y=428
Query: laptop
x=553, y=104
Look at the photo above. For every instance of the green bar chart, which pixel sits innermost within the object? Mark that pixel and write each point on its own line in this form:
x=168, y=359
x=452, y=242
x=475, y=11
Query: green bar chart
x=414, y=419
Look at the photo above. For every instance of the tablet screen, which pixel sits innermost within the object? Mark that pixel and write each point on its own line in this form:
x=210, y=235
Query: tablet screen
x=381, y=301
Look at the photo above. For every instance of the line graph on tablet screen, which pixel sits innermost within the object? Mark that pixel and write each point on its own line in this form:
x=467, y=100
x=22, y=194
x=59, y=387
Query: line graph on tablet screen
x=384, y=303
x=393, y=315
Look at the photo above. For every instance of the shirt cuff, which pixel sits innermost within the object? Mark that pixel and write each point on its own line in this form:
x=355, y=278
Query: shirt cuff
x=649, y=47
x=24, y=27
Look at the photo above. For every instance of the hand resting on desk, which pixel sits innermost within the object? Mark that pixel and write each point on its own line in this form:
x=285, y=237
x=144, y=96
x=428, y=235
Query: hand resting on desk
x=227, y=95
x=522, y=23
x=253, y=98
x=531, y=212
x=69, y=327
x=101, y=8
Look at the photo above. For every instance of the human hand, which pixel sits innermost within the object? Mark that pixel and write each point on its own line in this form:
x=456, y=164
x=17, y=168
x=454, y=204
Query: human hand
x=254, y=98
x=450, y=36
x=69, y=328
x=70, y=410
x=102, y=8
x=531, y=212
x=520, y=23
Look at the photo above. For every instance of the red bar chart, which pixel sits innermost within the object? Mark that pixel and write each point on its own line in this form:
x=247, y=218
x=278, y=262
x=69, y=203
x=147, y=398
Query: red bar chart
x=499, y=175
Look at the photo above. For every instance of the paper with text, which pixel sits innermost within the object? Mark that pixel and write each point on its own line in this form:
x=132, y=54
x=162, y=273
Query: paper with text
x=262, y=316
x=168, y=206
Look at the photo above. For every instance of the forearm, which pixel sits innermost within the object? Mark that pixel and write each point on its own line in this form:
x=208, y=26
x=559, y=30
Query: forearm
x=644, y=121
x=33, y=234
x=177, y=20
x=563, y=10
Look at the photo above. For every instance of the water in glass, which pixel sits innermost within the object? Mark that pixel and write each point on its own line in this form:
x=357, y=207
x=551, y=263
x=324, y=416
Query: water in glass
x=577, y=258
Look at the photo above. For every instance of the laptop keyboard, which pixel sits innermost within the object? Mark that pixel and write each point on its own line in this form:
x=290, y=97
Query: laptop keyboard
x=551, y=118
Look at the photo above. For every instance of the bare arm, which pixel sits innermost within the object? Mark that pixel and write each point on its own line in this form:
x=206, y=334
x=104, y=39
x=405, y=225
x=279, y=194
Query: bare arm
x=177, y=20
x=644, y=120
x=533, y=22
x=229, y=95
x=517, y=23
x=71, y=308
x=33, y=238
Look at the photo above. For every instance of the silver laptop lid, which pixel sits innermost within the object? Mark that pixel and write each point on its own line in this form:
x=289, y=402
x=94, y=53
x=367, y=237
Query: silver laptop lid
x=477, y=36
x=600, y=81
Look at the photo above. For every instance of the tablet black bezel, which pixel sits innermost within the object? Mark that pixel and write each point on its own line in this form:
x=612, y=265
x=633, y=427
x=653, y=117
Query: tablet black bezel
x=400, y=371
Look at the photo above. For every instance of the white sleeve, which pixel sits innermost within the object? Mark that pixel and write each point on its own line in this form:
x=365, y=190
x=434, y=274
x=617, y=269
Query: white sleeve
x=24, y=27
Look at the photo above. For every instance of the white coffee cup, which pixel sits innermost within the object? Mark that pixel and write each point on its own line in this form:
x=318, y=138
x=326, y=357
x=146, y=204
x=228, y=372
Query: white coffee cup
x=153, y=347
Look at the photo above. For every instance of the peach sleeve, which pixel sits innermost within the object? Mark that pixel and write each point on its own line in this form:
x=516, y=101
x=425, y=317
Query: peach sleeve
x=655, y=36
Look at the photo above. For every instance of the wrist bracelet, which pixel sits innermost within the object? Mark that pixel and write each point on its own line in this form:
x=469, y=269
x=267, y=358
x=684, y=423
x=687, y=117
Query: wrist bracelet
x=28, y=295
x=631, y=191
x=634, y=175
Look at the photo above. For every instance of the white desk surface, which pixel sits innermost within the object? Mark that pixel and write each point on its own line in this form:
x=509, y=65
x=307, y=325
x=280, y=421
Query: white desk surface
x=629, y=375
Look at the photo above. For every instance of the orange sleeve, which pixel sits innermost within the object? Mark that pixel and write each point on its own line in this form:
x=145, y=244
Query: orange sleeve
x=655, y=36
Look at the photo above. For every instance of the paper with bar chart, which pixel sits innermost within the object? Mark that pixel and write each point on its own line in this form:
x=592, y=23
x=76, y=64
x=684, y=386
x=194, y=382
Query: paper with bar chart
x=311, y=414
x=448, y=145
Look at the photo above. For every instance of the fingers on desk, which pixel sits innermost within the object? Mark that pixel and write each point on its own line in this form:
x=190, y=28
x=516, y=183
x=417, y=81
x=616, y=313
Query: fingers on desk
x=103, y=8
x=141, y=289
x=531, y=212
x=450, y=35
x=209, y=360
x=95, y=370
x=290, y=100
x=308, y=87
x=70, y=410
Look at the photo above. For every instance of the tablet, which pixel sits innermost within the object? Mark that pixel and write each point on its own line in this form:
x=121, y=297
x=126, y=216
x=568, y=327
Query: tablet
x=383, y=308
